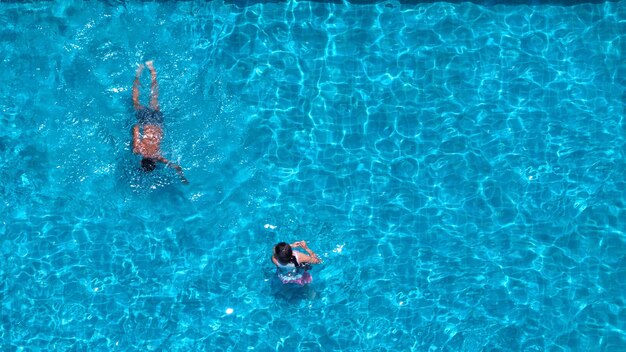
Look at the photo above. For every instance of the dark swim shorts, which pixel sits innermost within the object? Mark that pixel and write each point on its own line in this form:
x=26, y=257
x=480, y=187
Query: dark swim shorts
x=147, y=116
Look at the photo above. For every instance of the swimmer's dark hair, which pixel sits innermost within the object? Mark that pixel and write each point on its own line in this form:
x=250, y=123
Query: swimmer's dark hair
x=148, y=164
x=283, y=252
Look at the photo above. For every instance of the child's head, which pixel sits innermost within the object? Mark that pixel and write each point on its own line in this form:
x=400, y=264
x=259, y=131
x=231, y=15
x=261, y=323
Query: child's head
x=283, y=252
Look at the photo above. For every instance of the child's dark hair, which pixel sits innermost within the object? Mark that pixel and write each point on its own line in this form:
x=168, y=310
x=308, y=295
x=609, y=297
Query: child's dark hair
x=283, y=252
x=148, y=164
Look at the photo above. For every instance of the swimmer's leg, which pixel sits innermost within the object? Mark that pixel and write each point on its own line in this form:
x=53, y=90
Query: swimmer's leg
x=136, y=84
x=154, y=87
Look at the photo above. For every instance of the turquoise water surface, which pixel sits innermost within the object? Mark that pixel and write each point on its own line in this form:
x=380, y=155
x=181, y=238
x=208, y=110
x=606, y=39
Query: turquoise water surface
x=460, y=167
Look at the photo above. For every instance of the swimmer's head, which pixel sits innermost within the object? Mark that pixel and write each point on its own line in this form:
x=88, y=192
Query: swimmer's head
x=148, y=164
x=283, y=252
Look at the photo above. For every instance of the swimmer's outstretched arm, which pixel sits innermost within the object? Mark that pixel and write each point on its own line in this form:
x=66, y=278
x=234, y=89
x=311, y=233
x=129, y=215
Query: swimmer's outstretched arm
x=136, y=84
x=154, y=86
x=179, y=170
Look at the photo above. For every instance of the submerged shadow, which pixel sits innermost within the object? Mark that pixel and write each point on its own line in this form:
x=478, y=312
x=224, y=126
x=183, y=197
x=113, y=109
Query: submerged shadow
x=291, y=293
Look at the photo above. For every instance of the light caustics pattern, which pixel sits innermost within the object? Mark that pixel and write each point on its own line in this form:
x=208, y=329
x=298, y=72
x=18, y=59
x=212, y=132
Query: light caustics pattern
x=458, y=166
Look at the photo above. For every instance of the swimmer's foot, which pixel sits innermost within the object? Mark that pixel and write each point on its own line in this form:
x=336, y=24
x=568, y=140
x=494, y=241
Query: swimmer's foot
x=139, y=70
x=150, y=65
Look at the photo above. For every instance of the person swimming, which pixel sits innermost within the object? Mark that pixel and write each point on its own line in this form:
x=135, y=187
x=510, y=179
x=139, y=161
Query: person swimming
x=292, y=266
x=151, y=120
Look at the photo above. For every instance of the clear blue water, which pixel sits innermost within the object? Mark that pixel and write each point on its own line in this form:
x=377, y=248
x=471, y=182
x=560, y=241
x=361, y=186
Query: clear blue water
x=459, y=167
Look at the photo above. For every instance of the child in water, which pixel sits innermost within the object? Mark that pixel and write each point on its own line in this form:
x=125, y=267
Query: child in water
x=292, y=266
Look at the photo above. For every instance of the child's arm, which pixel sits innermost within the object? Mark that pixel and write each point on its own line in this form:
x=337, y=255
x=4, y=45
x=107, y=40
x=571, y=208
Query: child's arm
x=311, y=258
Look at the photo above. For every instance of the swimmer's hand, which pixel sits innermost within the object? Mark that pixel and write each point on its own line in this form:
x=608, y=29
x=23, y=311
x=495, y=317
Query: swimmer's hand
x=180, y=173
x=301, y=244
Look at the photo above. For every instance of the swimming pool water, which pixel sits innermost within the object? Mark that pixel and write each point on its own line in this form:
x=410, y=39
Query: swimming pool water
x=459, y=167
